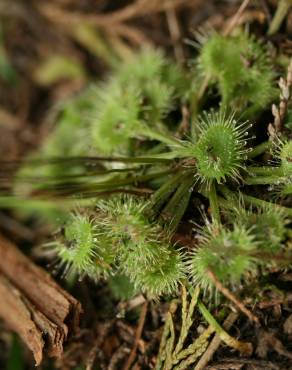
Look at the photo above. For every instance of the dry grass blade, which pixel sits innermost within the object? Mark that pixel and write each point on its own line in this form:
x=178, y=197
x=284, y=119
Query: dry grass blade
x=243, y=347
x=215, y=343
x=137, y=9
x=235, y=19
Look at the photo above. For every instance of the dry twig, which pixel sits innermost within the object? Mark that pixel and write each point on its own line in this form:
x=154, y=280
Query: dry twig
x=139, y=330
x=100, y=337
x=279, y=112
x=175, y=33
x=226, y=292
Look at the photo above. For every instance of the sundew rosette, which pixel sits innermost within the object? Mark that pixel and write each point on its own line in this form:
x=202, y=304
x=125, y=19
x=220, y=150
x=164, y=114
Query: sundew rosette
x=284, y=154
x=84, y=249
x=226, y=253
x=134, y=102
x=220, y=149
x=118, y=236
x=145, y=252
x=267, y=224
x=240, y=67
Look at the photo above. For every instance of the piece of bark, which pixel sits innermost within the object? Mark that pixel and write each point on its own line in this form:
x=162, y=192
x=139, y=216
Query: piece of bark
x=49, y=310
x=54, y=334
x=18, y=317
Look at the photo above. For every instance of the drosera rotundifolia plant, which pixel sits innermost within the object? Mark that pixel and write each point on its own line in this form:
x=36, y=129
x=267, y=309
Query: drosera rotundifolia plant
x=166, y=188
x=243, y=73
